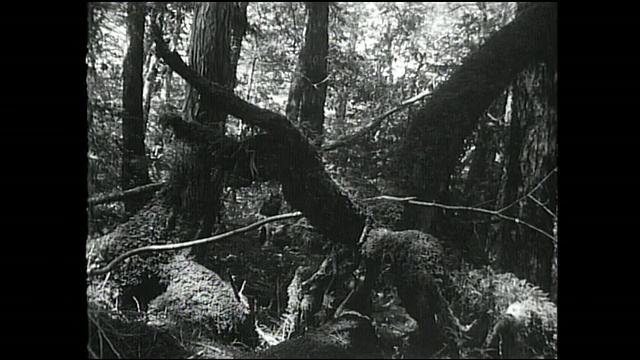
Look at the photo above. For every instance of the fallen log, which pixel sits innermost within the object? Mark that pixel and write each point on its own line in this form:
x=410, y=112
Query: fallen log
x=348, y=336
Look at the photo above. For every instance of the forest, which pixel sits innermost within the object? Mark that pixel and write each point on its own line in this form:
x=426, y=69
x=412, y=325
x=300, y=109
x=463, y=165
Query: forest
x=322, y=180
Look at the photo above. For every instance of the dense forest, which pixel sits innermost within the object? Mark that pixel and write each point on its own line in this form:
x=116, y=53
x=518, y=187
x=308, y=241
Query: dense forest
x=322, y=180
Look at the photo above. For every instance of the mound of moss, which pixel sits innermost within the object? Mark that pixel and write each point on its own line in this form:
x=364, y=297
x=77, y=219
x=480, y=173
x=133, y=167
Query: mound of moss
x=420, y=274
x=511, y=317
x=196, y=297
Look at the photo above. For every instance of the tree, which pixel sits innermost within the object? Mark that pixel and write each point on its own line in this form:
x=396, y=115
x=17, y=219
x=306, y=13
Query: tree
x=309, y=85
x=436, y=136
x=134, y=160
x=529, y=191
x=197, y=179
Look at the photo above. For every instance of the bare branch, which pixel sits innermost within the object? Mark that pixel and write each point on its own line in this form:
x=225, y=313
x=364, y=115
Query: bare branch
x=530, y=191
x=350, y=139
x=465, y=208
x=119, y=194
x=187, y=244
x=542, y=206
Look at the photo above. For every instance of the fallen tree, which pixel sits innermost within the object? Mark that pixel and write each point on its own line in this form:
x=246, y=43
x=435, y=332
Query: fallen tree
x=305, y=183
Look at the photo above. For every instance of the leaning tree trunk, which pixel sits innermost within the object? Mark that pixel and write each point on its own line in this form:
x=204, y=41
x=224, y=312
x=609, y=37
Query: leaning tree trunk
x=196, y=180
x=296, y=163
x=437, y=133
x=134, y=164
x=309, y=86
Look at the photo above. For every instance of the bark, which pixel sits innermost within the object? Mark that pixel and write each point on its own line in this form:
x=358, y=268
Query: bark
x=134, y=164
x=532, y=155
x=197, y=181
x=309, y=87
x=306, y=184
x=436, y=135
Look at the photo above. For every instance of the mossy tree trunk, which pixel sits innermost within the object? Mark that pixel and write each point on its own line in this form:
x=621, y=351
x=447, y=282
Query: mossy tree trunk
x=197, y=180
x=292, y=159
x=134, y=160
x=436, y=136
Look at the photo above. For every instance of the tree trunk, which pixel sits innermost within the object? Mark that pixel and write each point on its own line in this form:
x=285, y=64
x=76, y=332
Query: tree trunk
x=532, y=156
x=238, y=31
x=175, y=39
x=436, y=135
x=198, y=181
x=309, y=86
x=297, y=164
x=134, y=160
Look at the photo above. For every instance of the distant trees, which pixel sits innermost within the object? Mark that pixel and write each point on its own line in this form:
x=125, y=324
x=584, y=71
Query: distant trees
x=309, y=86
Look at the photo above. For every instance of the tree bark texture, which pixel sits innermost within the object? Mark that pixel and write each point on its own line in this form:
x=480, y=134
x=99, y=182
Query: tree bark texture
x=309, y=87
x=197, y=180
x=306, y=184
x=134, y=164
x=436, y=135
x=532, y=155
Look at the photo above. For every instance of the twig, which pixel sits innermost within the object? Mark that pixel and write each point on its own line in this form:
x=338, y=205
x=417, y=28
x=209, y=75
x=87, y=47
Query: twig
x=392, y=198
x=530, y=191
x=542, y=206
x=253, y=68
x=465, y=208
x=92, y=353
x=102, y=334
x=187, y=244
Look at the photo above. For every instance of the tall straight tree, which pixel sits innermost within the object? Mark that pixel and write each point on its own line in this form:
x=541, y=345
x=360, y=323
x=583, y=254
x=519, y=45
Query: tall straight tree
x=134, y=164
x=309, y=87
x=531, y=164
x=199, y=180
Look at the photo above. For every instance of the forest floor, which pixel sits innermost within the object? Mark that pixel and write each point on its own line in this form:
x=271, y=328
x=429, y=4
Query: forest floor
x=264, y=271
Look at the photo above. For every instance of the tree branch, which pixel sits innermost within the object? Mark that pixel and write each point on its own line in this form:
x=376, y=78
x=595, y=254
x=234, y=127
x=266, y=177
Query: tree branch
x=464, y=208
x=350, y=139
x=119, y=194
x=530, y=191
x=187, y=244
x=267, y=120
x=542, y=206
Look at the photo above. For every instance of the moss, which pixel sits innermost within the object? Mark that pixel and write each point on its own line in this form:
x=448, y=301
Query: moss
x=511, y=314
x=198, y=297
x=420, y=275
